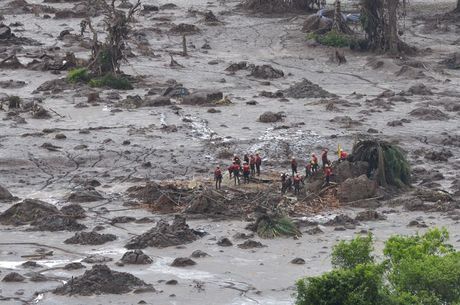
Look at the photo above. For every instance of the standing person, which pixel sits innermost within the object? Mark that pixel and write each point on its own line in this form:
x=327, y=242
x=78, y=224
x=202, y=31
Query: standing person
x=314, y=163
x=230, y=170
x=246, y=158
x=324, y=158
x=237, y=160
x=327, y=173
x=218, y=177
x=246, y=173
x=236, y=173
x=284, y=176
x=258, y=163
x=342, y=155
x=293, y=166
x=297, y=181
x=252, y=165
x=308, y=172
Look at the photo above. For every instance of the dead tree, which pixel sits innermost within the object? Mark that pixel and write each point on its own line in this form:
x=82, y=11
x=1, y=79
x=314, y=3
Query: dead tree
x=106, y=56
x=380, y=22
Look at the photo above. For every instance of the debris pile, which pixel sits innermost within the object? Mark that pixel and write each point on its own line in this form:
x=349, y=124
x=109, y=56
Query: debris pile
x=90, y=238
x=306, y=89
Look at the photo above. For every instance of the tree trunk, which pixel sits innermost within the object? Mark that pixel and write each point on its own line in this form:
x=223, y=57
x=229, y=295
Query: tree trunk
x=391, y=27
x=458, y=6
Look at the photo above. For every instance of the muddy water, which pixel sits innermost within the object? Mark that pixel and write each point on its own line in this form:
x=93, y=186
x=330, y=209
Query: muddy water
x=230, y=275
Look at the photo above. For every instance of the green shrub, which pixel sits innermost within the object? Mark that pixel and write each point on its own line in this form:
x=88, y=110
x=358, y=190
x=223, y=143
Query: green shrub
x=350, y=254
x=334, y=39
x=78, y=75
x=111, y=81
x=271, y=227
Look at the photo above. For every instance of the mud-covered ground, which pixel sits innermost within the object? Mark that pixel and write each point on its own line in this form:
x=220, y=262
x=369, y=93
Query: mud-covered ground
x=108, y=140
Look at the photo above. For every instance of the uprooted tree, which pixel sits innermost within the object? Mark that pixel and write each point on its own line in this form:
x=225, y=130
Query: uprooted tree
x=106, y=56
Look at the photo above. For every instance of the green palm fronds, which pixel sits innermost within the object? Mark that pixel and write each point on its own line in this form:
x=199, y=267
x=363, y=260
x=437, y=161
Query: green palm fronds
x=268, y=227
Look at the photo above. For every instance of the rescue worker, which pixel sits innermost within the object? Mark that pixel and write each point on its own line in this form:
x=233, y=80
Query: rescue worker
x=246, y=158
x=246, y=173
x=218, y=177
x=283, y=182
x=297, y=181
x=237, y=160
x=252, y=165
x=324, y=158
x=236, y=173
x=343, y=155
x=293, y=166
x=327, y=174
x=308, y=172
x=287, y=185
x=258, y=163
x=314, y=163
x=230, y=170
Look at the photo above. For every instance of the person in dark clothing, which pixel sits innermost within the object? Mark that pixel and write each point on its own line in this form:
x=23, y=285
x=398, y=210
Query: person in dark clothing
x=246, y=158
x=327, y=174
x=284, y=178
x=218, y=177
x=230, y=170
x=324, y=158
x=237, y=160
x=293, y=166
x=252, y=165
x=246, y=173
x=236, y=173
x=258, y=163
x=308, y=171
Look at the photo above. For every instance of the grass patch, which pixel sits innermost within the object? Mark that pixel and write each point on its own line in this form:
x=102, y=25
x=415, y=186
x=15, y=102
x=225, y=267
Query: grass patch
x=78, y=75
x=331, y=39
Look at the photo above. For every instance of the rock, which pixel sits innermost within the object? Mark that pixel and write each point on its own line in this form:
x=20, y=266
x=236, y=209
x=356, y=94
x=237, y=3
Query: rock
x=13, y=277
x=414, y=204
x=73, y=210
x=354, y=189
x=184, y=28
x=31, y=264
x=266, y=72
x=433, y=195
x=60, y=136
x=5, y=32
x=101, y=280
x=183, y=262
x=243, y=236
x=136, y=257
x=199, y=254
x=157, y=102
x=224, y=242
x=314, y=231
x=372, y=130
x=345, y=170
x=5, y=195
x=341, y=220
x=171, y=282
x=202, y=98
x=81, y=196
x=168, y=6
x=164, y=235
x=90, y=238
x=242, y=65
x=419, y=89
x=298, y=261
x=250, y=244
x=442, y=155
x=74, y=266
x=56, y=222
x=150, y=8
x=96, y=259
x=369, y=215
x=122, y=219
x=429, y=114
x=26, y=212
x=306, y=89
x=270, y=117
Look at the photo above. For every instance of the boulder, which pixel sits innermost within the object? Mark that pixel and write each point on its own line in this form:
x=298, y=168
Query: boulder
x=136, y=257
x=183, y=262
x=224, y=242
x=270, y=117
x=266, y=72
x=369, y=215
x=27, y=211
x=90, y=238
x=5, y=195
x=354, y=189
x=345, y=170
x=199, y=254
x=85, y=196
x=298, y=261
x=13, y=277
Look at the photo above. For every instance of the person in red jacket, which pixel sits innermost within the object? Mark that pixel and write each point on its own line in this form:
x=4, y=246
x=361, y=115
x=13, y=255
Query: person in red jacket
x=314, y=163
x=343, y=156
x=258, y=163
x=324, y=158
x=246, y=173
x=297, y=181
x=252, y=165
x=293, y=166
x=327, y=173
x=230, y=170
x=218, y=177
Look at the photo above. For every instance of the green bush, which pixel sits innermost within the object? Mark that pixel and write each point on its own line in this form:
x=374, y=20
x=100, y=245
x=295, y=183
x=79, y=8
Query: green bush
x=271, y=227
x=350, y=254
x=417, y=270
x=78, y=75
x=334, y=39
x=111, y=81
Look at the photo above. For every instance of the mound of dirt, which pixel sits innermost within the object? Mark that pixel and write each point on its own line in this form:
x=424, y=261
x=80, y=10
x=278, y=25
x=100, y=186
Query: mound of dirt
x=306, y=89
x=101, y=280
x=242, y=65
x=184, y=28
x=266, y=72
x=419, y=89
x=90, y=238
x=202, y=98
x=208, y=203
x=57, y=223
x=5, y=195
x=429, y=114
x=136, y=257
x=224, y=242
x=164, y=235
x=74, y=211
x=151, y=192
x=443, y=155
x=354, y=189
x=27, y=211
x=164, y=205
x=271, y=117
x=81, y=196
x=250, y=244
x=13, y=277
x=369, y=215
x=183, y=262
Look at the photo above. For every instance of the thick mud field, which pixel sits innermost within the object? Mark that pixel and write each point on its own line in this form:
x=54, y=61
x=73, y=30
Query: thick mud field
x=75, y=160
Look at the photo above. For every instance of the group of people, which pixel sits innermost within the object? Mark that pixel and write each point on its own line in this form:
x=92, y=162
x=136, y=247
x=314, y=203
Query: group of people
x=250, y=167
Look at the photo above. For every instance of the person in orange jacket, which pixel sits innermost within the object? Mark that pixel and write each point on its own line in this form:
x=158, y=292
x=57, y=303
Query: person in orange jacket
x=327, y=173
x=293, y=166
x=236, y=173
x=252, y=165
x=246, y=173
x=297, y=181
x=314, y=163
x=258, y=163
x=343, y=155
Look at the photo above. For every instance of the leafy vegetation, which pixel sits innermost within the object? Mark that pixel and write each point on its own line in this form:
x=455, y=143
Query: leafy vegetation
x=416, y=270
x=332, y=39
x=78, y=75
x=271, y=227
